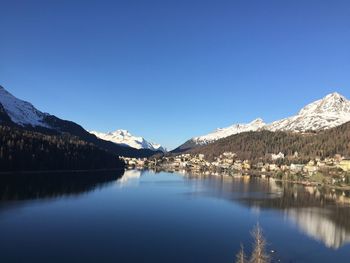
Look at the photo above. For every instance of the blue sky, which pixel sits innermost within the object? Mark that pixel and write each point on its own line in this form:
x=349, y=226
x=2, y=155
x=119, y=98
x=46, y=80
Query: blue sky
x=170, y=70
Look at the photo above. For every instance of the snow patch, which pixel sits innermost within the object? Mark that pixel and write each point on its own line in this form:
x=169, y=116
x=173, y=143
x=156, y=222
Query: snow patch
x=219, y=133
x=329, y=112
x=21, y=112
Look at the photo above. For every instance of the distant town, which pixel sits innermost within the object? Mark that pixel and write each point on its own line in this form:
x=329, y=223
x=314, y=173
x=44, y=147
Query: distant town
x=333, y=171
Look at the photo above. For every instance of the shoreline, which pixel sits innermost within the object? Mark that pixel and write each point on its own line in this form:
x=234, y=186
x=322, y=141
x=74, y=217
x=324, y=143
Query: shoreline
x=311, y=183
x=59, y=171
x=258, y=174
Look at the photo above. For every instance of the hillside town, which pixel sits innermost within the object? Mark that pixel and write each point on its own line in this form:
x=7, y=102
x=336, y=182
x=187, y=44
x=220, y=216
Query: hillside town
x=333, y=170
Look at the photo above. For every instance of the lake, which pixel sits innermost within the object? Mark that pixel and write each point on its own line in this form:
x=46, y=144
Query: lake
x=166, y=217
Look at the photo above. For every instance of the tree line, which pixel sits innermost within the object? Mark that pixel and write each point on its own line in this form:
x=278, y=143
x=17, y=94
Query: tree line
x=29, y=150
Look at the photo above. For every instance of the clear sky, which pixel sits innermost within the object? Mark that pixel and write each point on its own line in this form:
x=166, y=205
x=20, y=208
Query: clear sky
x=171, y=70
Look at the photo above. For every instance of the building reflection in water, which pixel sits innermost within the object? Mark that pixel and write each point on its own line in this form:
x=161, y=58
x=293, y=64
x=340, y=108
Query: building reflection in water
x=322, y=214
x=129, y=176
x=318, y=224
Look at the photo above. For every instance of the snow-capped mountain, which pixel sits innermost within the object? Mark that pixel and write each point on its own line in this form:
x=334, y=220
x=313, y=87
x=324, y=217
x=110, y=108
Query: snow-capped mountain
x=21, y=112
x=225, y=132
x=331, y=111
x=124, y=137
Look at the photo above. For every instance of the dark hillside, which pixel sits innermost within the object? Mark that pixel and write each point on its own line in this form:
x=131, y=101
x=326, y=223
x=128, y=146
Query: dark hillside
x=28, y=150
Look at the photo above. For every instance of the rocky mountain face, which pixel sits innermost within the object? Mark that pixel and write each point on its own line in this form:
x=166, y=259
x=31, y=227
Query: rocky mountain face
x=123, y=137
x=20, y=112
x=331, y=111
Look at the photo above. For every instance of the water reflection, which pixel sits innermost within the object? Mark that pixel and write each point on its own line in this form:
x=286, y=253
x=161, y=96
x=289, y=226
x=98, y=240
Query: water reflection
x=129, y=175
x=321, y=225
x=19, y=186
x=321, y=213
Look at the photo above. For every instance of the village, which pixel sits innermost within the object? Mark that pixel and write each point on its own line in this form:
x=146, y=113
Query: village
x=329, y=171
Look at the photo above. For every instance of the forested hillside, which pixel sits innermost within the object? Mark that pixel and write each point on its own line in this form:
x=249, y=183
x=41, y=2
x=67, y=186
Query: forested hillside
x=259, y=145
x=21, y=114
x=28, y=150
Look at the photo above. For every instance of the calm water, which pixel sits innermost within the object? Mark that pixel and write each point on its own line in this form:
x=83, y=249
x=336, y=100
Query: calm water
x=165, y=217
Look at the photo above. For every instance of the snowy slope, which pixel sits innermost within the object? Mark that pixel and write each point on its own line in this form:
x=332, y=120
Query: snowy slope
x=331, y=111
x=225, y=132
x=21, y=112
x=125, y=138
x=14, y=111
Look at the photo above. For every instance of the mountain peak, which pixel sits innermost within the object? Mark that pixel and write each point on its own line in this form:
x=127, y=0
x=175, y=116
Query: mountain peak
x=332, y=104
x=257, y=121
x=334, y=98
x=124, y=137
x=328, y=112
x=335, y=95
x=21, y=112
x=120, y=132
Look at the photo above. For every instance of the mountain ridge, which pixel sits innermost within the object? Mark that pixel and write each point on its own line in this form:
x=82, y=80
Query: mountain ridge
x=124, y=137
x=17, y=113
x=329, y=112
x=260, y=145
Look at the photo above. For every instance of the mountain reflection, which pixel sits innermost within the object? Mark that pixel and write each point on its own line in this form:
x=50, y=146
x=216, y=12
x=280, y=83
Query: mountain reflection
x=322, y=214
x=19, y=186
x=129, y=175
